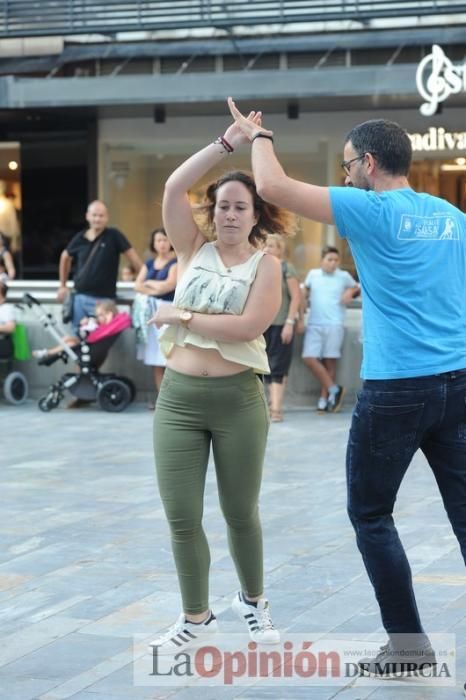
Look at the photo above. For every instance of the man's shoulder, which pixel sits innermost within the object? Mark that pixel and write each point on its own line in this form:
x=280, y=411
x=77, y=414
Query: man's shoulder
x=76, y=239
x=113, y=231
x=342, y=192
x=313, y=273
x=342, y=273
x=114, y=234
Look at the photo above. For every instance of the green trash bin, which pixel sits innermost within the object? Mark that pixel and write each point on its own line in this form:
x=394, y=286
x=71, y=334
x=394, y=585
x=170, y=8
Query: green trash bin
x=22, y=351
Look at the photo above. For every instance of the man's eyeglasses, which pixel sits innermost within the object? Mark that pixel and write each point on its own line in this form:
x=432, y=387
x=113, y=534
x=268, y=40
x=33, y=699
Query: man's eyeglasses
x=346, y=164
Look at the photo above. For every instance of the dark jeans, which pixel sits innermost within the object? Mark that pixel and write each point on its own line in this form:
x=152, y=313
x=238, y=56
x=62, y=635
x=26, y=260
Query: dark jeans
x=392, y=419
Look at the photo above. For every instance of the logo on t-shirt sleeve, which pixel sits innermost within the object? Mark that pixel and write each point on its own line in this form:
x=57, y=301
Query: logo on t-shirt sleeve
x=439, y=227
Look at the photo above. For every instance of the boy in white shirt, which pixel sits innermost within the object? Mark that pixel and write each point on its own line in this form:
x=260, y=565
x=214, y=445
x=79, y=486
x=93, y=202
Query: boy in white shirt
x=330, y=290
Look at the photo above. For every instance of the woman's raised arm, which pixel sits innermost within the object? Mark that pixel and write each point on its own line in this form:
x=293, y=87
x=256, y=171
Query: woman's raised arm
x=176, y=208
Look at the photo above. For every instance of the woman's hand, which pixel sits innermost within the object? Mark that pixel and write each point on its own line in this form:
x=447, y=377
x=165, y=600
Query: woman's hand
x=287, y=334
x=249, y=126
x=235, y=135
x=166, y=314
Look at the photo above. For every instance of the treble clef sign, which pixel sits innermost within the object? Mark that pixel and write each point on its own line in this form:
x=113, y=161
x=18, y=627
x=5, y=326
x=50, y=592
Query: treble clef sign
x=440, y=84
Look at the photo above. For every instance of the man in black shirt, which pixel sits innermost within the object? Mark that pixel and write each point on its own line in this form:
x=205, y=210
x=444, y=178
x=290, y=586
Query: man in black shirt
x=95, y=253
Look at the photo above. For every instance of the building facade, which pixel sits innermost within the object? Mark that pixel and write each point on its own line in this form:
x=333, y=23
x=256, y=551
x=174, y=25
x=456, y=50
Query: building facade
x=109, y=115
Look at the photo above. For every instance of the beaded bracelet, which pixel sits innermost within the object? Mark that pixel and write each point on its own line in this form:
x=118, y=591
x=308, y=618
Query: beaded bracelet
x=221, y=140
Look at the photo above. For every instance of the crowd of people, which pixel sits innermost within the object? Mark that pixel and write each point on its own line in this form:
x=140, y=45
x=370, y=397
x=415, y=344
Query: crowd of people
x=315, y=308
x=218, y=307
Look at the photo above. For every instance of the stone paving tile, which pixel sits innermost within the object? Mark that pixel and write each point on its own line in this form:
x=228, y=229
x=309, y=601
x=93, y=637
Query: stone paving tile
x=34, y=636
x=65, y=657
x=312, y=692
x=118, y=683
x=23, y=688
x=90, y=695
x=86, y=560
x=96, y=672
x=418, y=693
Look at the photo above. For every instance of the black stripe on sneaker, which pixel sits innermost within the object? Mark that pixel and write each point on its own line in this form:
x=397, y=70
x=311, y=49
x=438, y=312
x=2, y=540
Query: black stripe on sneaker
x=185, y=639
x=253, y=629
x=252, y=622
x=190, y=634
x=175, y=641
x=249, y=615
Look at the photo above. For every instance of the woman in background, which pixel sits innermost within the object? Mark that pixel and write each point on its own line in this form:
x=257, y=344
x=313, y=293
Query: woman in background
x=155, y=285
x=280, y=335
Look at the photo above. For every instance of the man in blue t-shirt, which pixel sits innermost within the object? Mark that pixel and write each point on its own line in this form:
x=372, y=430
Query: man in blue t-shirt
x=410, y=254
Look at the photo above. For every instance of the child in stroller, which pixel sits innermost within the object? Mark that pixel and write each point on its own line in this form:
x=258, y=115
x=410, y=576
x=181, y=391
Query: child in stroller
x=108, y=321
x=112, y=393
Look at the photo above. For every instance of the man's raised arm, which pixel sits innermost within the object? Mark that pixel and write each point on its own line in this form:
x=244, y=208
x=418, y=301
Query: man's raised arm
x=273, y=184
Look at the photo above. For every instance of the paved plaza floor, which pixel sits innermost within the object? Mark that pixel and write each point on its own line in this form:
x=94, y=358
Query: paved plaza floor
x=87, y=578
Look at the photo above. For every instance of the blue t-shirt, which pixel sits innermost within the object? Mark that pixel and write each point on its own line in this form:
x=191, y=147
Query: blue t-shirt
x=410, y=253
x=326, y=289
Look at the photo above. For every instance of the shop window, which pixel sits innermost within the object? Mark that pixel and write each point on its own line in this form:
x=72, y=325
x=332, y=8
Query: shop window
x=10, y=197
x=133, y=177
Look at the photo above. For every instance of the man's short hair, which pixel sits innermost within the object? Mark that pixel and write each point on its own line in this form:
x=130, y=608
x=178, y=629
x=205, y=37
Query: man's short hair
x=329, y=249
x=387, y=141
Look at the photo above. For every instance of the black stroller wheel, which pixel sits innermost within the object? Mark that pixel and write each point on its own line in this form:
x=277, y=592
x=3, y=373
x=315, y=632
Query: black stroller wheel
x=15, y=388
x=44, y=404
x=130, y=384
x=114, y=395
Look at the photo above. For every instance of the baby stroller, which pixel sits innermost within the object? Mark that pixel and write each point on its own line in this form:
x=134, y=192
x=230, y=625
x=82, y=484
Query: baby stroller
x=112, y=393
x=15, y=385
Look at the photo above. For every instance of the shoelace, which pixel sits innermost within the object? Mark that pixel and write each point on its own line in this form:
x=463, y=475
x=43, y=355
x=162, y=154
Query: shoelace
x=265, y=621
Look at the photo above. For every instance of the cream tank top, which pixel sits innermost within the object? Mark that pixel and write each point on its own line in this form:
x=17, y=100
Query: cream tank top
x=209, y=287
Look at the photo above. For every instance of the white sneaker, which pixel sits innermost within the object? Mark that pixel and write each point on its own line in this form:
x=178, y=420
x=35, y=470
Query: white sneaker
x=184, y=635
x=260, y=625
x=321, y=404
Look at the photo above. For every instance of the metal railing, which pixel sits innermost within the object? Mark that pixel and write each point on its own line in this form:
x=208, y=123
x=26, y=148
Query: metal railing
x=19, y=18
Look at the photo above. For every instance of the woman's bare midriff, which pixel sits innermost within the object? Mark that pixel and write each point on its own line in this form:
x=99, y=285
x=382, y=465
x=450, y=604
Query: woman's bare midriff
x=201, y=362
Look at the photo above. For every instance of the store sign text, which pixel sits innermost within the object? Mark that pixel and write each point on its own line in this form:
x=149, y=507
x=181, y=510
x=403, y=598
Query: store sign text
x=437, y=78
x=438, y=139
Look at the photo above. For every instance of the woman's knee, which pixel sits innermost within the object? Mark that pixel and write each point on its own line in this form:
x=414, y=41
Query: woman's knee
x=184, y=529
x=242, y=520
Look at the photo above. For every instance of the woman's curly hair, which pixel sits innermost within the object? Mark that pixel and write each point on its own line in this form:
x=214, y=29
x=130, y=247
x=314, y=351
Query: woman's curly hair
x=270, y=218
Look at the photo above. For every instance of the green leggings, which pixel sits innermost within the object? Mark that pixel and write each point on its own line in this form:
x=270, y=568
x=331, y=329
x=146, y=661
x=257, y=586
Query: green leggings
x=229, y=413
